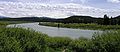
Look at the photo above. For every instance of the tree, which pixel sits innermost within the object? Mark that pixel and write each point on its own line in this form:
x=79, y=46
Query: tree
x=106, y=20
x=112, y=21
x=118, y=21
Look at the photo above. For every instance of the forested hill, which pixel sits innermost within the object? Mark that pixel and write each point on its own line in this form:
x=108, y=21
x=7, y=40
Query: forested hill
x=88, y=19
x=72, y=19
x=3, y=17
x=80, y=19
x=117, y=17
x=35, y=19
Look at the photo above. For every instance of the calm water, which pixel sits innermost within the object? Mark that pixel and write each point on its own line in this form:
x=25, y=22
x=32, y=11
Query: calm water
x=54, y=31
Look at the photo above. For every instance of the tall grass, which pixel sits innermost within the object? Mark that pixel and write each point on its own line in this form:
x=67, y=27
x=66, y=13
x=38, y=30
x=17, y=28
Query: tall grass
x=13, y=22
x=20, y=40
x=3, y=23
x=26, y=40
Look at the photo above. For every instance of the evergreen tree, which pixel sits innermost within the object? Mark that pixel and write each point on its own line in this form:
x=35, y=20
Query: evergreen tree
x=106, y=20
x=112, y=21
x=118, y=21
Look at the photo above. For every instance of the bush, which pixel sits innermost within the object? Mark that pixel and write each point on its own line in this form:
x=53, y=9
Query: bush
x=17, y=39
x=107, y=42
x=26, y=40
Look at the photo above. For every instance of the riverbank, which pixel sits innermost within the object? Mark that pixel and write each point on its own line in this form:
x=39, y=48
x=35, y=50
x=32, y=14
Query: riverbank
x=26, y=40
x=5, y=23
x=14, y=22
x=82, y=26
x=57, y=32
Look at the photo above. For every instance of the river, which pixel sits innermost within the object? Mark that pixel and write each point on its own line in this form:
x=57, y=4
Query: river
x=59, y=32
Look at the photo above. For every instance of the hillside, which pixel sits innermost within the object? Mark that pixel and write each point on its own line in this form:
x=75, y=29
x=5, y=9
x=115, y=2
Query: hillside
x=35, y=19
x=3, y=17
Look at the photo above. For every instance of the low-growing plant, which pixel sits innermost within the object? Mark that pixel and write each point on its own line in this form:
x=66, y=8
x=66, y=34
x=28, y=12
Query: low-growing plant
x=27, y=40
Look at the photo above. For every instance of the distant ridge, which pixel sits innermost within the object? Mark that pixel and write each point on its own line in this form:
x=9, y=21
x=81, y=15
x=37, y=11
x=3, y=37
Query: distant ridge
x=35, y=19
x=71, y=19
x=118, y=16
x=3, y=17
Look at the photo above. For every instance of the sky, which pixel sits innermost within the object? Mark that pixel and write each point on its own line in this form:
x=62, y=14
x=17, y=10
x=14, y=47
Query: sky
x=59, y=8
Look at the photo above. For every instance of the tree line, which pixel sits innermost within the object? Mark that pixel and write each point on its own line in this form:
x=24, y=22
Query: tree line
x=88, y=19
x=72, y=19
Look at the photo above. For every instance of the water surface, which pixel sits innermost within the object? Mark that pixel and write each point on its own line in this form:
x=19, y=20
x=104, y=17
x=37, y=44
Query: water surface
x=59, y=32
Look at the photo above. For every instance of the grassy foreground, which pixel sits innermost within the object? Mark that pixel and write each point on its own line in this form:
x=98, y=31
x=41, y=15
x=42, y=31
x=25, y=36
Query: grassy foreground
x=26, y=40
x=91, y=26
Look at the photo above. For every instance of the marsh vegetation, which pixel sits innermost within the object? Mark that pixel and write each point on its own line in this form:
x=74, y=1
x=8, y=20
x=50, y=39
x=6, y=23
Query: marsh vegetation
x=27, y=40
x=90, y=26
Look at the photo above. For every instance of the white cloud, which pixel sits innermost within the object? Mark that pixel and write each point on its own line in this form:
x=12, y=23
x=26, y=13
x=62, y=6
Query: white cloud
x=13, y=9
x=114, y=1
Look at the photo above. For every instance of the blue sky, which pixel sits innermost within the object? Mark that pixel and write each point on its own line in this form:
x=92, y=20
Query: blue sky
x=74, y=7
x=107, y=4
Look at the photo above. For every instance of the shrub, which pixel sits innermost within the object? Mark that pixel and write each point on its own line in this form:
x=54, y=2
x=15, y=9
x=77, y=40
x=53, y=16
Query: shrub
x=27, y=40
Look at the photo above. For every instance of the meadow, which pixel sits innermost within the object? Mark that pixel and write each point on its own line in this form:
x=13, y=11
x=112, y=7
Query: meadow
x=28, y=40
x=14, y=22
x=89, y=26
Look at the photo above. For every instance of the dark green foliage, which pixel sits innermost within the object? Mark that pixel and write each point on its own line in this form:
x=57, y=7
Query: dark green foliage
x=107, y=42
x=3, y=23
x=88, y=19
x=20, y=40
x=113, y=21
x=79, y=19
x=92, y=26
x=30, y=19
x=106, y=20
x=26, y=40
x=72, y=19
x=13, y=22
x=119, y=21
x=23, y=40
